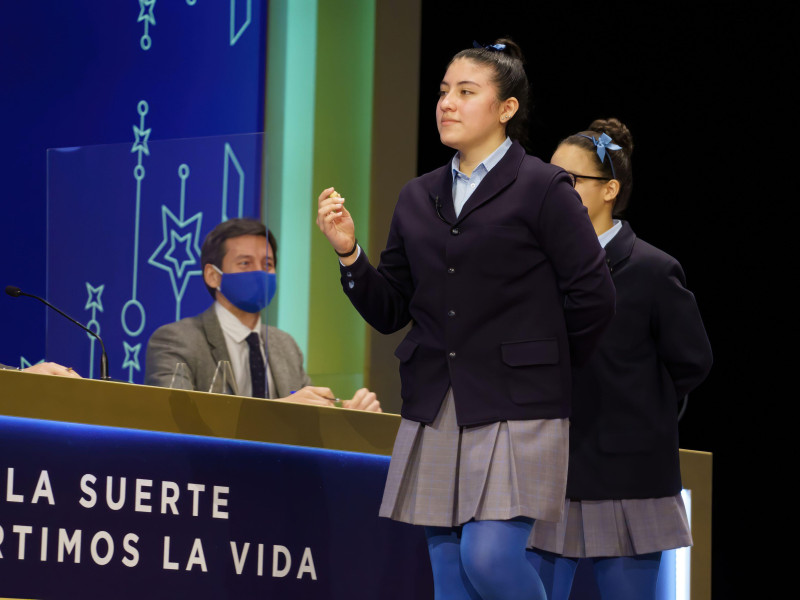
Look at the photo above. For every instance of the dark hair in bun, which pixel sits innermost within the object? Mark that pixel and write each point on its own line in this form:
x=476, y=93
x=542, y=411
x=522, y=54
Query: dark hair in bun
x=508, y=66
x=621, y=136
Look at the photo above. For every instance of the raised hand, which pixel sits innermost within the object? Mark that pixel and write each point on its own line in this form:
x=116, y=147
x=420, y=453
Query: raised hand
x=334, y=220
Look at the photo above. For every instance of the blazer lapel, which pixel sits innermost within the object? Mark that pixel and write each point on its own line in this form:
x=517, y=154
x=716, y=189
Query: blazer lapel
x=216, y=341
x=620, y=247
x=499, y=178
x=441, y=194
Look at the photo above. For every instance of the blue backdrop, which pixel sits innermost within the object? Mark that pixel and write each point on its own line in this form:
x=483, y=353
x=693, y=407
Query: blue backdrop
x=125, y=227
x=75, y=74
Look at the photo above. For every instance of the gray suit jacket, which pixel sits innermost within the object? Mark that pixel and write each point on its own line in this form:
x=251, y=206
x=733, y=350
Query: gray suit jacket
x=199, y=342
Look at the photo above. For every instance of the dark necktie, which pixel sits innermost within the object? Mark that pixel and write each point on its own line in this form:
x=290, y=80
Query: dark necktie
x=258, y=374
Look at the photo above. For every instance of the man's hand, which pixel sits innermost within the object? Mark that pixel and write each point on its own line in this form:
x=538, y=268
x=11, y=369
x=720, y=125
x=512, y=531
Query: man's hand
x=319, y=396
x=51, y=368
x=363, y=400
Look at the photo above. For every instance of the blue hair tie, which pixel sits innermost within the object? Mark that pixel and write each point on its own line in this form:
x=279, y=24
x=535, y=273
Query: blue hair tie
x=493, y=47
x=603, y=143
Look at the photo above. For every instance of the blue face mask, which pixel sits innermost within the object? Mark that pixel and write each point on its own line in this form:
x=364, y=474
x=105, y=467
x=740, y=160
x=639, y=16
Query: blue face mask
x=250, y=291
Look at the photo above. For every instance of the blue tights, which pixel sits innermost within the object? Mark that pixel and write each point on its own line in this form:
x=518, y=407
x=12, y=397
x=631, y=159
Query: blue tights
x=483, y=560
x=618, y=578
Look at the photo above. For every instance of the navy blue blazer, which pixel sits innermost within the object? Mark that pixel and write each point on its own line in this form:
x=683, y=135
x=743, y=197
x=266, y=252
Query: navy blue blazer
x=503, y=298
x=624, y=428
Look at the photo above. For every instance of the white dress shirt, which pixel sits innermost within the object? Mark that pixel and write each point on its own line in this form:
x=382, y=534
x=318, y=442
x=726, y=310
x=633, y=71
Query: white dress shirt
x=236, y=333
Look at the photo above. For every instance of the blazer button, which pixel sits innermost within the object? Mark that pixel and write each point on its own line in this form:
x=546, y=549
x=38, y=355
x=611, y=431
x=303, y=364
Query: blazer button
x=452, y=355
x=451, y=270
x=455, y=231
x=451, y=313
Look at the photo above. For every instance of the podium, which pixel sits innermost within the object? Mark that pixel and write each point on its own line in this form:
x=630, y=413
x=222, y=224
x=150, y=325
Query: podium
x=114, y=490
x=119, y=490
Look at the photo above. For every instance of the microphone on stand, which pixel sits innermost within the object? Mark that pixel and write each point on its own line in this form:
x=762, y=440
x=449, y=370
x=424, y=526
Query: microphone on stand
x=14, y=292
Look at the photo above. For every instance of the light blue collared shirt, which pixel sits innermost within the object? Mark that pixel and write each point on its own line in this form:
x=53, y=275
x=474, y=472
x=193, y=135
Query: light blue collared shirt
x=463, y=186
x=607, y=236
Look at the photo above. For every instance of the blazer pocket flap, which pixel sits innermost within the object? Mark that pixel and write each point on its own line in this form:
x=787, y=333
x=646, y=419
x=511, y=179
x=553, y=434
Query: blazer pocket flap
x=534, y=352
x=405, y=350
x=626, y=442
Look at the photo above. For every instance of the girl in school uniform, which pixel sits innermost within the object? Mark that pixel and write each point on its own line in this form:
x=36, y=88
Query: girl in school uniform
x=494, y=262
x=623, y=506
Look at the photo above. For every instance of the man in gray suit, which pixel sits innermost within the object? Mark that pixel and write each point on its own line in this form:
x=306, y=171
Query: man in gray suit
x=239, y=273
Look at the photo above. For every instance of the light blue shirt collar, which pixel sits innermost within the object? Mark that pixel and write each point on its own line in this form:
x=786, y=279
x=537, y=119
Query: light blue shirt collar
x=488, y=163
x=605, y=237
x=463, y=186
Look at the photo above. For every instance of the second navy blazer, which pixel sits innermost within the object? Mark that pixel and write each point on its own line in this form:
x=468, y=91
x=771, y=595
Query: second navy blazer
x=624, y=429
x=504, y=298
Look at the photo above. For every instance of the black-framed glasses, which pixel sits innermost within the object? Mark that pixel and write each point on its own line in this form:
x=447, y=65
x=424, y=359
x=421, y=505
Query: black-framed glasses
x=573, y=177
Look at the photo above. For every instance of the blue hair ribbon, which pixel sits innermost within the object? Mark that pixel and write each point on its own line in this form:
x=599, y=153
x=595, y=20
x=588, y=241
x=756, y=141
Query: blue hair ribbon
x=603, y=143
x=493, y=47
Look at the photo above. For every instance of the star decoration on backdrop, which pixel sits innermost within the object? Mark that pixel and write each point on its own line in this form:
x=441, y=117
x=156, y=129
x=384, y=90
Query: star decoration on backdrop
x=94, y=297
x=146, y=11
x=142, y=137
x=187, y=233
x=131, y=356
x=190, y=258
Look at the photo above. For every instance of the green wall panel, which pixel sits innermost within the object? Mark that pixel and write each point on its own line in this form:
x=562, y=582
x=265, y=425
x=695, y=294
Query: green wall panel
x=319, y=133
x=342, y=158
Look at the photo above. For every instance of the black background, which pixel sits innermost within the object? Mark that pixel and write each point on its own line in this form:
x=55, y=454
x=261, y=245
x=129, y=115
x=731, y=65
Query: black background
x=690, y=81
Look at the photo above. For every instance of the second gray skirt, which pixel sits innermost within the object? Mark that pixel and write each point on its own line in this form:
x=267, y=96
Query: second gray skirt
x=595, y=528
x=445, y=475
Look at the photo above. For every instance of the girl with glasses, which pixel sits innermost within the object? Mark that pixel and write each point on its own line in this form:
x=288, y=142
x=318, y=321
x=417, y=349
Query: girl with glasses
x=623, y=506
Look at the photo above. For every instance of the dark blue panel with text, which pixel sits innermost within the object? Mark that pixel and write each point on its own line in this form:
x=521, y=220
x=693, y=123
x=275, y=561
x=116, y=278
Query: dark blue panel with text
x=101, y=512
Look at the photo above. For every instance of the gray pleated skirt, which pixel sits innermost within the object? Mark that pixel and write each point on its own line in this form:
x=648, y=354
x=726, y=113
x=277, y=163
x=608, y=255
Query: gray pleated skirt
x=445, y=475
x=594, y=528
